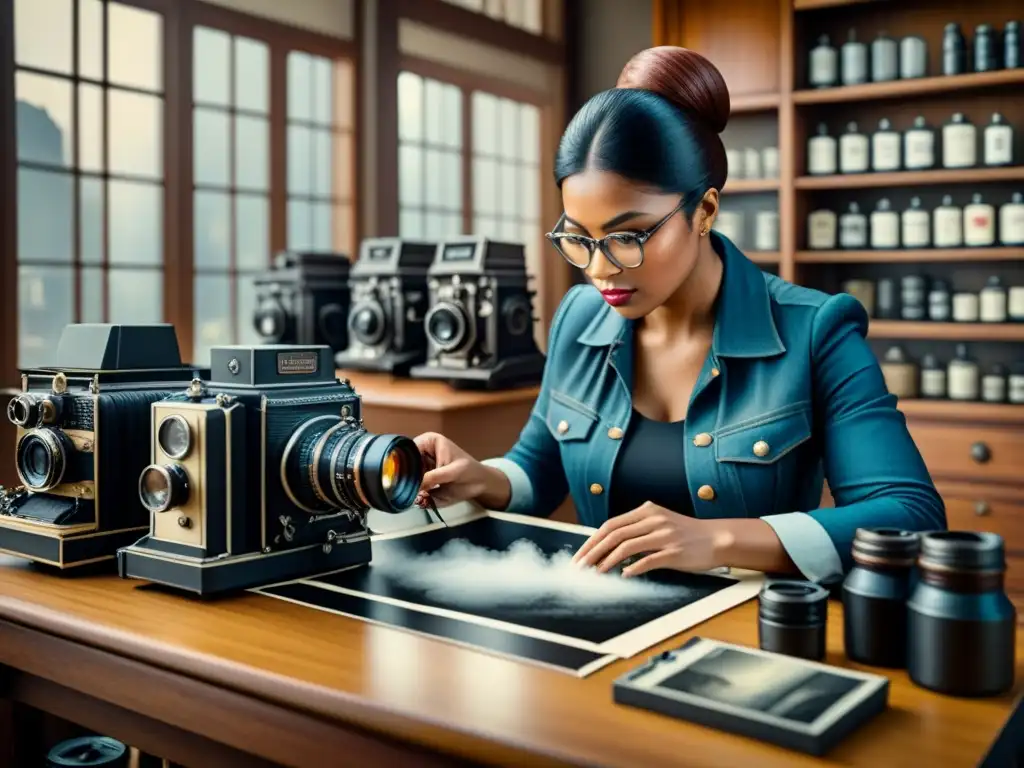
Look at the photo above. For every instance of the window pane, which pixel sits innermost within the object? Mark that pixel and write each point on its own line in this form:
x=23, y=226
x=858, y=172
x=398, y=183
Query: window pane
x=252, y=79
x=437, y=225
x=508, y=190
x=485, y=180
x=515, y=12
x=246, y=303
x=300, y=225
x=135, y=140
x=452, y=135
x=344, y=94
x=92, y=295
x=455, y=223
x=345, y=163
x=533, y=19
x=42, y=34
x=529, y=133
x=44, y=216
x=495, y=8
x=300, y=86
x=90, y=39
x=485, y=123
x=322, y=227
x=410, y=222
x=252, y=236
x=44, y=125
x=252, y=153
x=433, y=107
x=45, y=303
x=510, y=233
x=136, y=224
x=486, y=226
x=529, y=192
x=410, y=175
x=508, y=117
x=323, y=95
x=90, y=206
x=211, y=223
x=323, y=162
x=213, y=325
x=134, y=47
x=410, y=106
x=210, y=147
x=90, y=127
x=211, y=73
x=451, y=171
x=300, y=160
x=436, y=195
x=343, y=230
x=135, y=296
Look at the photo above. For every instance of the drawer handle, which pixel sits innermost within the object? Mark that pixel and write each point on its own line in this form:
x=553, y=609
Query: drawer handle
x=981, y=508
x=980, y=453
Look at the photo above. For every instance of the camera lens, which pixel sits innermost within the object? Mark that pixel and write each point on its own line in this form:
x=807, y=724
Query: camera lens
x=331, y=464
x=367, y=323
x=174, y=437
x=271, y=320
x=23, y=410
x=446, y=326
x=42, y=458
x=163, y=487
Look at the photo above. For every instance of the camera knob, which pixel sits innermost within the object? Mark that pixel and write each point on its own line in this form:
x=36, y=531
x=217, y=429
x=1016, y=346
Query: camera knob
x=980, y=453
x=981, y=508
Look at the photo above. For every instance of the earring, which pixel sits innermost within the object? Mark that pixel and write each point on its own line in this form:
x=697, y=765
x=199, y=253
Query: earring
x=704, y=232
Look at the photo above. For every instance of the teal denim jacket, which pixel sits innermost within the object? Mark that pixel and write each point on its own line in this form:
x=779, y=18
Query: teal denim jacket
x=789, y=371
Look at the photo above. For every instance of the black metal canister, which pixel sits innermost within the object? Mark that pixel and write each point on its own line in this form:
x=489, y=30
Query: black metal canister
x=792, y=616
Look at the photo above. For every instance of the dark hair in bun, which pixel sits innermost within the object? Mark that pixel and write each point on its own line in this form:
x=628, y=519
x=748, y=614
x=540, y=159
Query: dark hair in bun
x=659, y=126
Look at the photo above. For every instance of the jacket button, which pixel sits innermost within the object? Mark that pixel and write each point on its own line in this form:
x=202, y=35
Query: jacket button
x=703, y=440
x=615, y=433
x=596, y=489
x=563, y=427
x=715, y=372
x=761, y=448
x=706, y=492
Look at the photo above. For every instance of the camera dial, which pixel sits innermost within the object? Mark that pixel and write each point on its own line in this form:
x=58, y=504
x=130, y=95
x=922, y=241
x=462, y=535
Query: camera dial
x=446, y=326
x=42, y=458
x=163, y=487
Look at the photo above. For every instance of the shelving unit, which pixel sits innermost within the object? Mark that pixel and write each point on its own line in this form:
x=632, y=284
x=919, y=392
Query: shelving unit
x=902, y=329
x=902, y=89
x=749, y=186
x=910, y=256
x=912, y=178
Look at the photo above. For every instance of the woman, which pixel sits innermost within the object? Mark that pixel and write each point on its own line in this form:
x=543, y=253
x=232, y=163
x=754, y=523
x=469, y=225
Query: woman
x=692, y=404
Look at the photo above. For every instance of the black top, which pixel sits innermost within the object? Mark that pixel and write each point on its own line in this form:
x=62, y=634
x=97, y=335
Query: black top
x=651, y=466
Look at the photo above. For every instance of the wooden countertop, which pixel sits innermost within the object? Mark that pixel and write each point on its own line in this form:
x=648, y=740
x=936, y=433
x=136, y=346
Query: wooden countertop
x=380, y=389
x=450, y=699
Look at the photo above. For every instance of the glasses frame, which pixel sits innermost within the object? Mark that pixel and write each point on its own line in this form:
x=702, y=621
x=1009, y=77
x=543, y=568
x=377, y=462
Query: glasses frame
x=592, y=244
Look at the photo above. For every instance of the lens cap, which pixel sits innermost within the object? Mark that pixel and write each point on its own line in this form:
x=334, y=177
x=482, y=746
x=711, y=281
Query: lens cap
x=963, y=551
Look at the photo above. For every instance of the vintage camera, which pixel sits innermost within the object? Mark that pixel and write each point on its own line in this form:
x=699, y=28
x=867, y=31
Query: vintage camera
x=83, y=425
x=303, y=299
x=479, y=326
x=263, y=474
x=388, y=285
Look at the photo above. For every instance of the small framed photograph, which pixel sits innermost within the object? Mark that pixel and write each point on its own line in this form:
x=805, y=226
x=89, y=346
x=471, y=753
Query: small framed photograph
x=794, y=703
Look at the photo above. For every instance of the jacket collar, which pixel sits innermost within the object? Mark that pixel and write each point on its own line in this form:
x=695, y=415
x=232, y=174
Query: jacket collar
x=744, y=324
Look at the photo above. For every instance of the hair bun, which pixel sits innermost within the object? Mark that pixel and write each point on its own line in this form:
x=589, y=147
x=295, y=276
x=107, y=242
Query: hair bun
x=683, y=77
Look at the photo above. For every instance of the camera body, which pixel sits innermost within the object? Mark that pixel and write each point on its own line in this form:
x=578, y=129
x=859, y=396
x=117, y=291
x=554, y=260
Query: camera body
x=82, y=426
x=388, y=284
x=304, y=299
x=479, y=327
x=264, y=474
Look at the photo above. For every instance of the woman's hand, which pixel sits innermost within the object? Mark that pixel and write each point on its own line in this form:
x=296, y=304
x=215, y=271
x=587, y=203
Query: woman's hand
x=665, y=538
x=453, y=475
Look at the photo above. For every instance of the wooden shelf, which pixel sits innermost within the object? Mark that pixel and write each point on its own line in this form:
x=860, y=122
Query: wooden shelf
x=753, y=102
x=911, y=178
x=921, y=86
x=949, y=410
x=903, y=329
x=750, y=186
x=909, y=255
x=810, y=5
x=763, y=257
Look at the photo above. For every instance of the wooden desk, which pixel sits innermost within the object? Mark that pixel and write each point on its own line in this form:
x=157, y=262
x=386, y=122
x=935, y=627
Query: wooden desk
x=201, y=683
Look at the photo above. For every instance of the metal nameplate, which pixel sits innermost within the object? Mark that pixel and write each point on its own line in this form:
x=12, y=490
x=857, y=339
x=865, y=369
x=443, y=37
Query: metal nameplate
x=297, y=362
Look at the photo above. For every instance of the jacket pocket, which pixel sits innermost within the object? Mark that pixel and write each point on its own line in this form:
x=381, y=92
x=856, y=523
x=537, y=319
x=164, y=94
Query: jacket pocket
x=569, y=420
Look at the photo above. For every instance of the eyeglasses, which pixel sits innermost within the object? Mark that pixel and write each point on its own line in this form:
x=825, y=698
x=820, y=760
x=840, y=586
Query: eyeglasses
x=623, y=249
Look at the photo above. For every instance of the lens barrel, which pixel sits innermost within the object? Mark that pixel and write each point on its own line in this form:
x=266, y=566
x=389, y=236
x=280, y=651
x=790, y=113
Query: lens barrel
x=792, y=616
x=42, y=458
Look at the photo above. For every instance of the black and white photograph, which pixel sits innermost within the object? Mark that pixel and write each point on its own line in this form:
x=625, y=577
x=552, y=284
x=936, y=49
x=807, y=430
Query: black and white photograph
x=514, y=575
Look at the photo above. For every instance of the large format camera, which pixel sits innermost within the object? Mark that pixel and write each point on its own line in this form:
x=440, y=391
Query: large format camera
x=303, y=299
x=479, y=326
x=388, y=285
x=264, y=474
x=83, y=426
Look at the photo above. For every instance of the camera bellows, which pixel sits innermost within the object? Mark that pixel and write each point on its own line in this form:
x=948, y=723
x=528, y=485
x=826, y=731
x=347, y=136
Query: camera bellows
x=961, y=627
x=792, y=616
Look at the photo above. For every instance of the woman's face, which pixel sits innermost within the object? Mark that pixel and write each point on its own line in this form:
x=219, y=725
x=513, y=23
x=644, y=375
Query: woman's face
x=597, y=203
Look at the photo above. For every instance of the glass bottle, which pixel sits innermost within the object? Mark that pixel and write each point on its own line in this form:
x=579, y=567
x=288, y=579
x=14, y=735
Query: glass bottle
x=947, y=225
x=824, y=64
x=821, y=153
x=885, y=147
x=854, y=56
x=885, y=226
x=884, y=59
x=853, y=150
x=959, y=143
x=962, y=377
x=853, y=228
x=954, y=50
x=916, y=229
x=919, y=146
x=998, y=142
x=933, y=378
x=979, y=223
x=1011, y=220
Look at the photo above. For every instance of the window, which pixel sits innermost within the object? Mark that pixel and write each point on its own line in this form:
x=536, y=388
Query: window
x=321, y=170
x=90, y=179
x=430, y=157
x=524, y=14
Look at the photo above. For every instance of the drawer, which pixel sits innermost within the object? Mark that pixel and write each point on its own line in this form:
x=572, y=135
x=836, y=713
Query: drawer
x=967, y=452
x=985, y=514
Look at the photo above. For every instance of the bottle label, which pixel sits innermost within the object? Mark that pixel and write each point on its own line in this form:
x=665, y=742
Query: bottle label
x=853, y=230
x=853, y=153
x=993, y=389
x=948, y=226
x=1016, y=394
x=824, y=64
x=885, y=229
x=919, y=148
x=1011, y=224
x=885, y=151
x=998, y=145
x=979, y=225
x=965, y=307
x=821, y=152
x=933, y=383
x=916, y=229
x=993, y=305
x=959, y=146
x=963, y=381
x=855, y=64
x=821, y=234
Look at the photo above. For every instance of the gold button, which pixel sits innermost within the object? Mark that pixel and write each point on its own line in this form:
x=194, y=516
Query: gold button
x=615, y=433
x=714, y=372
x=706, y=492
x=703, y=440
x=563, y=427
x=596, y=489
x=761, y=448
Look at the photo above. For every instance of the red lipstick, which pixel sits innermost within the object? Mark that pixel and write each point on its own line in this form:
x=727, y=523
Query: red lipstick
x=618, y=296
